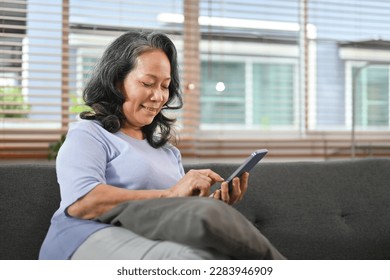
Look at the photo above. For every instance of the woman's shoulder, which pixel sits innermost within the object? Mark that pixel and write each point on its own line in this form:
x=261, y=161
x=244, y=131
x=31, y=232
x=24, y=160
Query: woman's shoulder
x=84, y=125
x=89, y=127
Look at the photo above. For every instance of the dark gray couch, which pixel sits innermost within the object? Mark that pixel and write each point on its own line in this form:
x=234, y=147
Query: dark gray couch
x=308, y=210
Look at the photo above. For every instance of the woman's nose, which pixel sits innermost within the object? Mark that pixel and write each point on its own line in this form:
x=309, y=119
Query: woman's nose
x=157, y=95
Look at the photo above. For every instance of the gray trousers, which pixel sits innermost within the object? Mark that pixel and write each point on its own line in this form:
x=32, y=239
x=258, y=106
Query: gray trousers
x=116, y=243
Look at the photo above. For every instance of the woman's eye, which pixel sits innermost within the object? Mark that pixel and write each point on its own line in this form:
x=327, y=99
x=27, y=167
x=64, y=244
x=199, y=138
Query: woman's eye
x=147, y=84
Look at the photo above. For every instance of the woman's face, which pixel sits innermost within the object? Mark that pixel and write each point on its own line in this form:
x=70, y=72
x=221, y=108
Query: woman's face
x=146, y=89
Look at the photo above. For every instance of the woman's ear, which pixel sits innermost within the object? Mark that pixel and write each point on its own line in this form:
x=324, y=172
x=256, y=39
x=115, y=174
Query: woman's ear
x=120, y=89
x=119, y=86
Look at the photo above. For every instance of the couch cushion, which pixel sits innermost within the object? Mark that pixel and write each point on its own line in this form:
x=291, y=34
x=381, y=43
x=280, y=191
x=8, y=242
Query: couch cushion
x=29, y=196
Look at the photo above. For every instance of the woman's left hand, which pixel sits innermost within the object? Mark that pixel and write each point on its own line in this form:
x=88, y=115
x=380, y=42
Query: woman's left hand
x=239, y=188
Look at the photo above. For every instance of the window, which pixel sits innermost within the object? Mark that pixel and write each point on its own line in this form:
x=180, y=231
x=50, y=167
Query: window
x=223, y=93
x=367, y=85
x=372, y=96
x=248, y=93
x=274, y=95
x=259, y=69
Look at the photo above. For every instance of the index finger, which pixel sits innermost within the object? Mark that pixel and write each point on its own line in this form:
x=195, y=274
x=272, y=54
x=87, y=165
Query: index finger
x=212, y=175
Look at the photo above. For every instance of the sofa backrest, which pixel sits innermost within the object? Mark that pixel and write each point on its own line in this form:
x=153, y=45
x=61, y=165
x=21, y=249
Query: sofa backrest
x=308, y=210
x=29, y=195
x=321, y=210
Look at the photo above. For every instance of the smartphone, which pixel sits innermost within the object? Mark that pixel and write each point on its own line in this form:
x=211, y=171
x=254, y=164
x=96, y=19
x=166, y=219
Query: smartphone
x=247, y=165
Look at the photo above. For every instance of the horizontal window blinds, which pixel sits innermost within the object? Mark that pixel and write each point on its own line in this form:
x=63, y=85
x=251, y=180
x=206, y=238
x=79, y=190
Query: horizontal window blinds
x=29, y=110
x=303, y=78
x=48, y=49
x=280, y=73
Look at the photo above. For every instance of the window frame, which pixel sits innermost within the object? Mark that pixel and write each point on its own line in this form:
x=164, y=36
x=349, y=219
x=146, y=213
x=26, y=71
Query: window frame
x=251, y=53
x=350, y=81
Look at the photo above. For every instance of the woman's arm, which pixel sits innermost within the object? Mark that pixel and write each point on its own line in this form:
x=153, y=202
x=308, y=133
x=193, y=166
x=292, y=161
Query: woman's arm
x=105, y=197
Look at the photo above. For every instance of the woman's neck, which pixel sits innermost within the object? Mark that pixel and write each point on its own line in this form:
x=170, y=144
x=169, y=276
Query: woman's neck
x=133, y=133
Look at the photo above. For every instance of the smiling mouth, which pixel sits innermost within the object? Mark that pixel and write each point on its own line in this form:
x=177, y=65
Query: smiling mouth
x=150, y=109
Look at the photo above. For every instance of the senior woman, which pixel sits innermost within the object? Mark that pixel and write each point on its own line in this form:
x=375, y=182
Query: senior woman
x=120, y=151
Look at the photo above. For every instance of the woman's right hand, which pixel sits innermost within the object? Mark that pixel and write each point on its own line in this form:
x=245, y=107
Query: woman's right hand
x=195, y=183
